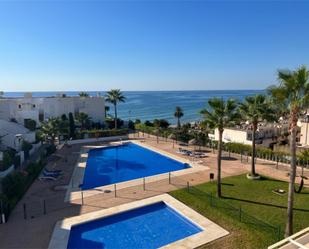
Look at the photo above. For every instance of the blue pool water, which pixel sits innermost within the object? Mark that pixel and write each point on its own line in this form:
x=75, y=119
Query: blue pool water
x=148, y=227
x=125, y=162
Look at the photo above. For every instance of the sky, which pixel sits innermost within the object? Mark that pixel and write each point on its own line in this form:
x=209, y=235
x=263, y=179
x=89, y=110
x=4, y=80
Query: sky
x=150, y=45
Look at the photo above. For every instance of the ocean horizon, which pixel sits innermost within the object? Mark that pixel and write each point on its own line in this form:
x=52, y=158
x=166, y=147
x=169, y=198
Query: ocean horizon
x=150, y=105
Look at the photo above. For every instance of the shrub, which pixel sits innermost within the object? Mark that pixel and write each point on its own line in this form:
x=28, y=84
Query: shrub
x=8, y=160
x=16, y=160
x=110, y=123
x=50, y=149
x=30, y=124
x=26, y=147
x=16, y=184
x=148, y=123
x=131, y=125
x=161, y=123
x=137, y=121
x=34, y=169
x=71, y=126
x=13, y=185
x=105, y=133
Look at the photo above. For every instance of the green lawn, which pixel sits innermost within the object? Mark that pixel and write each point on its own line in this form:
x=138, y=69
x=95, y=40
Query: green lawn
x=255, y=199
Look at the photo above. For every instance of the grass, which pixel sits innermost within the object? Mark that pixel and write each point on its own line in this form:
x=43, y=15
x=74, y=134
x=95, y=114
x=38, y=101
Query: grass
x=255, y=199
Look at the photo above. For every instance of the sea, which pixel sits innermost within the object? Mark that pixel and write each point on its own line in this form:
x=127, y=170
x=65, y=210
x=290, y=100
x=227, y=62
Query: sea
x=150, y=105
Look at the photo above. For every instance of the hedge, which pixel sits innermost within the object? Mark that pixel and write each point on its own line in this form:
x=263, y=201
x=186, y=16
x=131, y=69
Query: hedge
x=261, y=152
x=104, y=133
x=16, y=184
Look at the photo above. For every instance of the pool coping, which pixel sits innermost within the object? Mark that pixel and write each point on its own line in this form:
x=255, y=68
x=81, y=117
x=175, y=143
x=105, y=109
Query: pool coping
x=74, y=192
x=211, y=231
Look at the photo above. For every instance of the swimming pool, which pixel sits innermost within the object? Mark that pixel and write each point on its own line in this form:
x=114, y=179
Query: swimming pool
x=150, y=226
x=125, y=162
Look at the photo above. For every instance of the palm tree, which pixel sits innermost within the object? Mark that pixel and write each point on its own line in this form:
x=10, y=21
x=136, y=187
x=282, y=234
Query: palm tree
x=178, y=114
x=115, y=96
x=51, y=129
x=256, y=109
x=294, y=92
x=83, y=119
x=220, y=114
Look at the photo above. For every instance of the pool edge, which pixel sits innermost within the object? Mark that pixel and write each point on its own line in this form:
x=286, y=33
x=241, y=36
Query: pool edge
x=211, y=231
x=75, y=193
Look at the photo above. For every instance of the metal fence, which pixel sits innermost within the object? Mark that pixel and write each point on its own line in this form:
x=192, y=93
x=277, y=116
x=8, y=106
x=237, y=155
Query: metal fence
x=279, y=162
x=44, y=206
x=237, y=213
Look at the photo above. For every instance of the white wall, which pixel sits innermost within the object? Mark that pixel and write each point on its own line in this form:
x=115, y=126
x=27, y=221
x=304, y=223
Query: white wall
x=30, y=108
x=304, y=133
x=231, y=135
x=100, y=139
x=9, y=130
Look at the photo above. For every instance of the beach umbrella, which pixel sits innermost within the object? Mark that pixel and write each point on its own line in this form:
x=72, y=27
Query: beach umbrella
x=193, y=142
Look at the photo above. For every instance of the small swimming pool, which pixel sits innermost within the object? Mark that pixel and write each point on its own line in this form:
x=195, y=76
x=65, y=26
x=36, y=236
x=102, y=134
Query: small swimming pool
x=125, y=162
x=150, y=226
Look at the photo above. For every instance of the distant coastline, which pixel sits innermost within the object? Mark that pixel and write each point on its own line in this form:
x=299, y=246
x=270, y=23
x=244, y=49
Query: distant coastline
x=149, y=105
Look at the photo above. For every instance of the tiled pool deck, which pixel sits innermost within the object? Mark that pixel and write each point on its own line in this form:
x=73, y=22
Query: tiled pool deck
x=74, y=191
x=211, y=231
x=36, y=232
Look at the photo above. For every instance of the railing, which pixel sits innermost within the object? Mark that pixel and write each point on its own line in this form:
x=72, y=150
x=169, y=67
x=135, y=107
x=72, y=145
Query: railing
x=237, y=213
x=277, y=160
x=167, y=182
x=298, y=239
x=97, y=197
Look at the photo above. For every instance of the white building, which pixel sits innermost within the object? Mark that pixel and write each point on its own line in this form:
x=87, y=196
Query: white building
x=42, y=108
x=12, y=135
x=304, y=132
x=266, y=134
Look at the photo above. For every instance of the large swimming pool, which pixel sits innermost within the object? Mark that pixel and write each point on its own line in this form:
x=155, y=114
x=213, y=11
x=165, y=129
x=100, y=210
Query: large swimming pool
x=125, y=162
x=148, y=227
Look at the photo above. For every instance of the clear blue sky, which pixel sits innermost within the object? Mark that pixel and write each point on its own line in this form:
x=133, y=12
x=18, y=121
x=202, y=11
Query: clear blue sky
x=150, y=45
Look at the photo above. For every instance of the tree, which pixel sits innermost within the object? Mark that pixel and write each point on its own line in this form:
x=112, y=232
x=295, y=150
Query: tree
x=64, y=117
x=83, y=119
x=114, y=97
x=51, y=129
x=178, y=114
x=220, y=114
x=161, y=123
x=148, y=123
x=83, y=94
x=64, y=126
x=26, y=147
x=30, y=124
x=71, y=126
x=256, y=109
x=293, y=91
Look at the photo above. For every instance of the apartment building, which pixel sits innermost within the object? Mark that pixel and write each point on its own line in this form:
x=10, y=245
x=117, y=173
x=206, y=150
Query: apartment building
x=266, y=134
x=42, y=108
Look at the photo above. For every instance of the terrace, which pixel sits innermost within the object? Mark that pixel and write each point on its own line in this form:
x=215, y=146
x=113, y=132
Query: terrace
x=45, y=204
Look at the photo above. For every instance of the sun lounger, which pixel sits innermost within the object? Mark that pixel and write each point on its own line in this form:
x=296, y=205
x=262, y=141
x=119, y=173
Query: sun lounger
x=50, y=178
x=199, y=154
x=52, y=171
x=184, y=152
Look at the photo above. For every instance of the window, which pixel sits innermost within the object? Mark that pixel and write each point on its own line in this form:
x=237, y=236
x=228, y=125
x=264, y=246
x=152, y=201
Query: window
x=19, y=106
x=33, y=106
